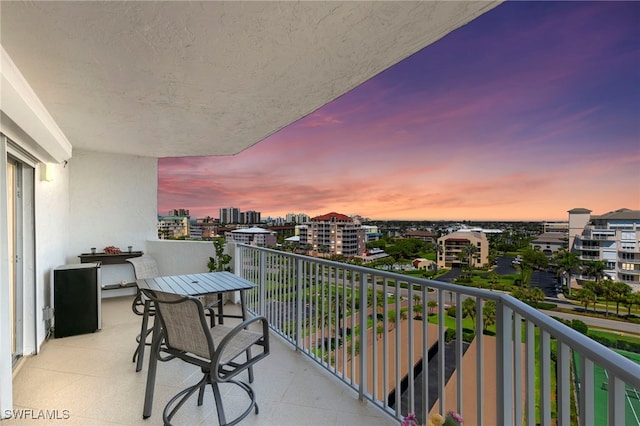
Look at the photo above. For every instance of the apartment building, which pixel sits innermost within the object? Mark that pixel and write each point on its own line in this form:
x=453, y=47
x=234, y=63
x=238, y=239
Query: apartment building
x=613, y=238
x=550, y=242
x=297, y=218
x=426, y=236
x=230, y=215
x=173, y=227
x=254, y=236
x=333, y=233
x=454, y=246
x=371, y=232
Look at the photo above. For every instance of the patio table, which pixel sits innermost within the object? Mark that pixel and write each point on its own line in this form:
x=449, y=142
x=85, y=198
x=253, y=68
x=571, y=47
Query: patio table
x=203, y=284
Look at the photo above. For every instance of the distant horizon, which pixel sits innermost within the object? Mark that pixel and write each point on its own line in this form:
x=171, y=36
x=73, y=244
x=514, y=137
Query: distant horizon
x=524, y=113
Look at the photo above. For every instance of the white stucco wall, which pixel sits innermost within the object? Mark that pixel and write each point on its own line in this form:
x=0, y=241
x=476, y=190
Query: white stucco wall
x=181, y=257
x=113, y=202
x=52, y=231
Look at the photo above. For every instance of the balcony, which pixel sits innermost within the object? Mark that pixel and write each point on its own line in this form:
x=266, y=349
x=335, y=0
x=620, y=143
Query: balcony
x=327, y=369
x=92, y=377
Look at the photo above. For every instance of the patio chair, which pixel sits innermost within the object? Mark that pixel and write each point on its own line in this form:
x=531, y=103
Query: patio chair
x=221, y=352
x=143, y=267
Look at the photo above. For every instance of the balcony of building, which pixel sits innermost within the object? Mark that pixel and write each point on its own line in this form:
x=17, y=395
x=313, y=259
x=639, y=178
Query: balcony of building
x=90, y=380
x=327, y=368
x=597, y=234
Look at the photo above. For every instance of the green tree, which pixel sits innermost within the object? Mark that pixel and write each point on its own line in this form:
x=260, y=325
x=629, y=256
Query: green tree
x=222, y=260
x=630, y=300
x=493, y=279
x=531, y=259
x=489, y=314
x=432, y=305
x=469, y=308
x=586, y=296
x=536, y=295
x=595, y=269
x=566, y=263
x=619, y=292
x=469, y=254
x=438, y=250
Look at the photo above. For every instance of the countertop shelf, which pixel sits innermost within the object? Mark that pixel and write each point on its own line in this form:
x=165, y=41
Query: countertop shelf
x=109, y=259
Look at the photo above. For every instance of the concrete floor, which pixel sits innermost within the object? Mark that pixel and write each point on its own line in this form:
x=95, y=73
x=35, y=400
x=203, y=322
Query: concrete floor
x=91, y=380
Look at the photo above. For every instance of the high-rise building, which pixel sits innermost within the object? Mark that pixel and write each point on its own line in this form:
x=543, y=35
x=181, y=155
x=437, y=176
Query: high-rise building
x=250, y=217
x=297, y=218
x=230, y=215
x=613, y=238
x=178, y=212
x=333, y=233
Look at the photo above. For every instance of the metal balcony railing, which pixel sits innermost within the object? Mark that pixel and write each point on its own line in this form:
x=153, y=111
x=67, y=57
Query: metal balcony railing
x=367, y=327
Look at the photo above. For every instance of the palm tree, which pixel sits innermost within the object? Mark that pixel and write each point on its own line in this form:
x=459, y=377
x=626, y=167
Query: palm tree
x=469, y=308
x=620, y=291
x=438, y=249
x=630, y=300
x=566, y=262
x=489, y=314
x=536, y=295
x=586, y=296
x=471, y=252
x=432, y=304
x=595, y=270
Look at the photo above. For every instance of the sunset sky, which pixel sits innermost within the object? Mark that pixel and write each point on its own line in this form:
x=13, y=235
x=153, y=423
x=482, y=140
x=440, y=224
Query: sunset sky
x=529, y=111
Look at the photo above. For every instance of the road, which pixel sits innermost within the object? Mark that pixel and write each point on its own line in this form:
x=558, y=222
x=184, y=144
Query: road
x=620, y=326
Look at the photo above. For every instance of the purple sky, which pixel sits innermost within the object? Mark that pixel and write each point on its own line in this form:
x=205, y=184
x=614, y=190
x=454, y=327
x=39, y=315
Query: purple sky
x=529, y=111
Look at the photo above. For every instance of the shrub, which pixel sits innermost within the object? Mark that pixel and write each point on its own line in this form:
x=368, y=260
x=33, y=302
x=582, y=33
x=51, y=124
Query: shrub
x=449, y=335
x=468, y=335
x=579, y=326
x=451, y=311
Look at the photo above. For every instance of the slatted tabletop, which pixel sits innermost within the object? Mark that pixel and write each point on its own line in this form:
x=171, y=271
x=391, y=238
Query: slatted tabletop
x=196, y=284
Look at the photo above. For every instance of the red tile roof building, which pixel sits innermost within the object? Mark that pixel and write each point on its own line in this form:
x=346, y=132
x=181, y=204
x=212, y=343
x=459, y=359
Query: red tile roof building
x=334, y=233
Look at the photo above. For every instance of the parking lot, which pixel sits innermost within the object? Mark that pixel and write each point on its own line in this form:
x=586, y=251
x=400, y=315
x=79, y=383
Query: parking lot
x=544, y=280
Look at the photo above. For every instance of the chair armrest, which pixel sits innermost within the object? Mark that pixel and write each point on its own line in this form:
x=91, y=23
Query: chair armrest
x=237, y=341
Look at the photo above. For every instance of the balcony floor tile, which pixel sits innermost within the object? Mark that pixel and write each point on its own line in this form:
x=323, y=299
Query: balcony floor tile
x=92, y=377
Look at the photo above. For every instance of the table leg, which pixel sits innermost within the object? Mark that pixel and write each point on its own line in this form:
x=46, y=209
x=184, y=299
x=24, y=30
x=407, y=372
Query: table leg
x=220, y=307
x=244, y=318
x=151, y=373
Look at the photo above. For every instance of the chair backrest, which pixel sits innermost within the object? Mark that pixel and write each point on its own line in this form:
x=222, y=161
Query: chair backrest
x=184, y=323
x=144, y=266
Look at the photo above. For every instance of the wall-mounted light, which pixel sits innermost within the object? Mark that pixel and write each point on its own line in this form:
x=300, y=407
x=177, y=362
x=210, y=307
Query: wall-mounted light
x=47, y=172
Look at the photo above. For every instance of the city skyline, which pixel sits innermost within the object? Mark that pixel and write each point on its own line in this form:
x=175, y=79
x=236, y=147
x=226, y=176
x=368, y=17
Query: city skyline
x=523, y=114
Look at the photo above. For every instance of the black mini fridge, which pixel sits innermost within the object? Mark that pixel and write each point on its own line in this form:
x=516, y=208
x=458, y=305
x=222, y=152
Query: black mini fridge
x=76, y=299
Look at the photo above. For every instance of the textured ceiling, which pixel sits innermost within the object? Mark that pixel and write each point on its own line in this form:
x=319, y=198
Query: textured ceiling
x=169, y=79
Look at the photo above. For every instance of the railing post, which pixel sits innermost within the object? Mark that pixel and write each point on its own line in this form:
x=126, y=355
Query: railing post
x=617, y=400
x=563, y=368
x=364, y=286
x=299, y=306
x=262, y=283
x=545, y=378
x=517, y=362
x=585, y=390
x=479, y=366
x=441, y=350
x=504, y=364
x=459, y=352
